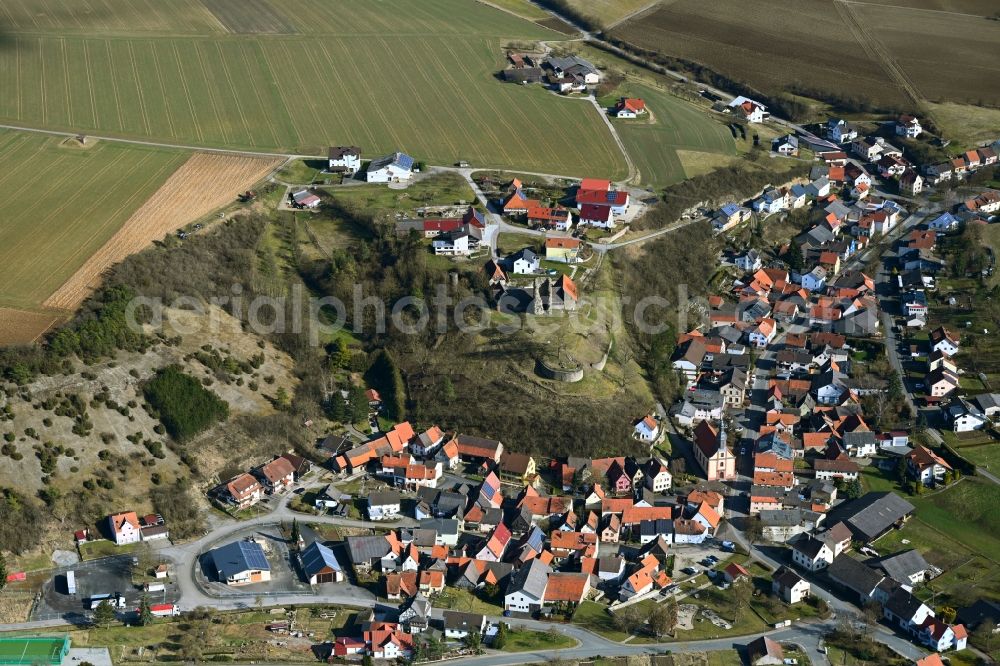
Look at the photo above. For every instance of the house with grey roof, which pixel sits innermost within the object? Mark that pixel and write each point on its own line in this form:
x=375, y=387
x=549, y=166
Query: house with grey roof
x=526, y=588
x=907, y=567
x=790, y=586
x=320, y=565
x=383, y=505
x=988, y=404
x=392, y=168
x=459, y=625
x=241, y=563
x=415, y=618
x=855, y=576
x=364, y=551
x=906, y=611
x=872, y=515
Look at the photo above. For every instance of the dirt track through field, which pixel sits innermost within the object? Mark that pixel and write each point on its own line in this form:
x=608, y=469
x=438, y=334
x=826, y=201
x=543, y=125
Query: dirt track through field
x=202, y=184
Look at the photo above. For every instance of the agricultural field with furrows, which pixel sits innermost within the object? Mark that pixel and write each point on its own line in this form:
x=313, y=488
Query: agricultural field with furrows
x=947, y=56
x=671, y=125
x=419, y=77
x=609, y=12
x=973, y=7
x=62, y=202
x=769, y=47
x=186, y=17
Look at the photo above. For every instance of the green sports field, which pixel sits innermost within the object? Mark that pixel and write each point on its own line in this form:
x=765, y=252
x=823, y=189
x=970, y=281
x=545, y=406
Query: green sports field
x=674, y=125
x=31, y=650
x=61, y=203
x=296, y=75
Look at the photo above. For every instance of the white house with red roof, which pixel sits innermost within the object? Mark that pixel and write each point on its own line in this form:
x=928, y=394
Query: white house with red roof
x=617, y=200
x=647, y=429
x=629, y=107
x=763, y=333
x=124, y=528
x=597, y=216
x=751, y=110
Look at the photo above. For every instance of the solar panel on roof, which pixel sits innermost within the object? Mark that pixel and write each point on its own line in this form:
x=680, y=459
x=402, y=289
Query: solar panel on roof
x=254, y=555
x=404, y=161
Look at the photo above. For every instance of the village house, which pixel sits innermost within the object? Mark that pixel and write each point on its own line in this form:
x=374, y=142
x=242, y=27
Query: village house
x=629, y=107
x=320, y=565
x=479, y=449
x=811, y=553
x=344, y=159
x=124, y=528
x=277, y=475
x=602, y=217
x=304, y=199
x=563, y=250
x=647, y=429
x=244, y=491
x=787, y=145
x=517, y=468
x=748, y=109
x=383, y=505
x=925, y=466
x=393, y=168
x=764, y=652
x=749, y=261
x=908, y=126
x=525, y=591
x=728, y=216
x=458, y=625
x=558, y=218
x=789, y=586
x=841, y=131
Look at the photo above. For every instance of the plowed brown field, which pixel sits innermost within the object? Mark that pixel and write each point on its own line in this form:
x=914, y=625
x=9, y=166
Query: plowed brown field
x=202, y=184
x=20, y=327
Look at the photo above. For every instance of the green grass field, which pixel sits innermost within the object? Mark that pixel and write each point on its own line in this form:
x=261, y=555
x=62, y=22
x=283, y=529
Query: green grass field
x=954, y=529
x=675, y=125
x=34, y=650
x=418, y=77
x=62, y=203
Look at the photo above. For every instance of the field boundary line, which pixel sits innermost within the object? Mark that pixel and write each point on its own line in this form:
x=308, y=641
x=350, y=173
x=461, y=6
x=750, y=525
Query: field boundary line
x=212, y=91
x=256, y=92
x=159, y=144
x=136, y=200
x=880, y=54
x=512, y=130
x=163, y=88
x=187, y=91
x=41, y=80
x=66, y=79
x=90, y=83
x=455, y=121
x=915, y=9
x=114, y=83
x=138, y=87
x=232, y=88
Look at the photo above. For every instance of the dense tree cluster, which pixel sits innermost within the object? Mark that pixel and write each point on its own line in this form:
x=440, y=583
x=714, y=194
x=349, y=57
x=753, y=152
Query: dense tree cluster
x=184, y=406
